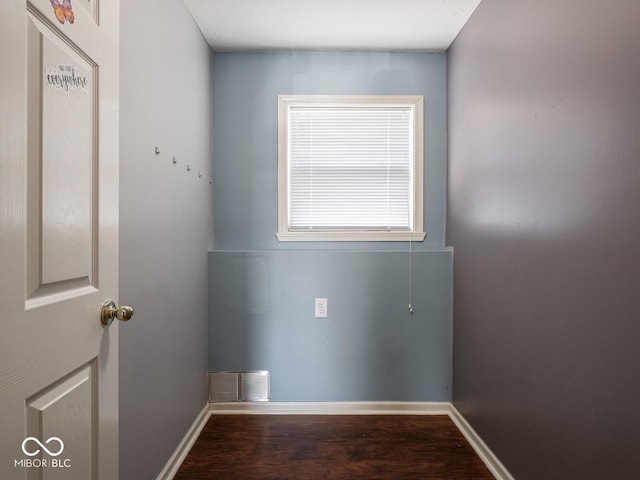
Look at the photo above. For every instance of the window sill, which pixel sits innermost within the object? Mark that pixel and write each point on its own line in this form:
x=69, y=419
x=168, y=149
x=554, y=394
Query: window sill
x=350, y=236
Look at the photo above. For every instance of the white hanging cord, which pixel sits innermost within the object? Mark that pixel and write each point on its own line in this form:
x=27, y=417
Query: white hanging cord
x=409, y=222
x=410, y=274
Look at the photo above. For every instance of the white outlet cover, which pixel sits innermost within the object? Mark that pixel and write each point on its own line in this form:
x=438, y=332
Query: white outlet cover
x=321, y=308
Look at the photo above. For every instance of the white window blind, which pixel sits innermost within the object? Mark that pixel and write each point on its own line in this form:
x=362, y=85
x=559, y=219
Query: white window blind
x=350, y=168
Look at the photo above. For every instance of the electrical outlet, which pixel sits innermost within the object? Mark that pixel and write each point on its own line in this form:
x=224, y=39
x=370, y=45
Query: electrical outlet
x=321, y=308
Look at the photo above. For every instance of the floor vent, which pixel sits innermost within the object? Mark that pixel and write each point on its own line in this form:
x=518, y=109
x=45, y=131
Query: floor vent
x=240, y=386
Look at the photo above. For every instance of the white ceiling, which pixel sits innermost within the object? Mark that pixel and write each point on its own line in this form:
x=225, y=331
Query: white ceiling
x=382, y=25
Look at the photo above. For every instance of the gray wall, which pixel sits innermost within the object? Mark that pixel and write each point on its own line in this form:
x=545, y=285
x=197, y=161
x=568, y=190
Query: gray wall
x=262, y=291
x=245, y=133
x=165, y=230
x=544, y=216
x=369, y=348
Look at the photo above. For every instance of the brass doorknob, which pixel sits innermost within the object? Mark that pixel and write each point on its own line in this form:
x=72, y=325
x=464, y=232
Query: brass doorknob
x=110, y=311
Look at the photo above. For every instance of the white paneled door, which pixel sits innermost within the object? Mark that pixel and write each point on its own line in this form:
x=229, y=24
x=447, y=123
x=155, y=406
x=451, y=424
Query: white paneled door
x=58, y=239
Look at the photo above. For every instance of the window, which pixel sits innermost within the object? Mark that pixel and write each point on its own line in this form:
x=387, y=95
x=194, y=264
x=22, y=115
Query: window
x=350, y=168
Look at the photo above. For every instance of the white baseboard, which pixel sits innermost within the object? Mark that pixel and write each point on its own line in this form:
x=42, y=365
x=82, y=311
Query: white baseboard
x=332, y=408
x=494, y=465
x=173, y=465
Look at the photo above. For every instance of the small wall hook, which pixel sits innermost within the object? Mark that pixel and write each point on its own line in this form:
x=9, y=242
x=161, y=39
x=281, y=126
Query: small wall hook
x=199, y=175
x=174, y=160
x=157, y=151
x=188, y=168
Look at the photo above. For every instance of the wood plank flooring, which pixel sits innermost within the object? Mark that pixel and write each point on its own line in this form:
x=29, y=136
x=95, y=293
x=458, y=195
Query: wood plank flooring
x=305, y=447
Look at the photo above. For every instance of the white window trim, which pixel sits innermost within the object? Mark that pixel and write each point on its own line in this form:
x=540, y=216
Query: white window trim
x=416, y=102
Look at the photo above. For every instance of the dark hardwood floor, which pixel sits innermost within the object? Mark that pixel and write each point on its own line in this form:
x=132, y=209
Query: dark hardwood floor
x=328, y=447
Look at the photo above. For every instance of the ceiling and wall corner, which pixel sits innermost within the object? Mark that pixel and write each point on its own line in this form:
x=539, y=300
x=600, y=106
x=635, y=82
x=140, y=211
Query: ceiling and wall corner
x=374, y=25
